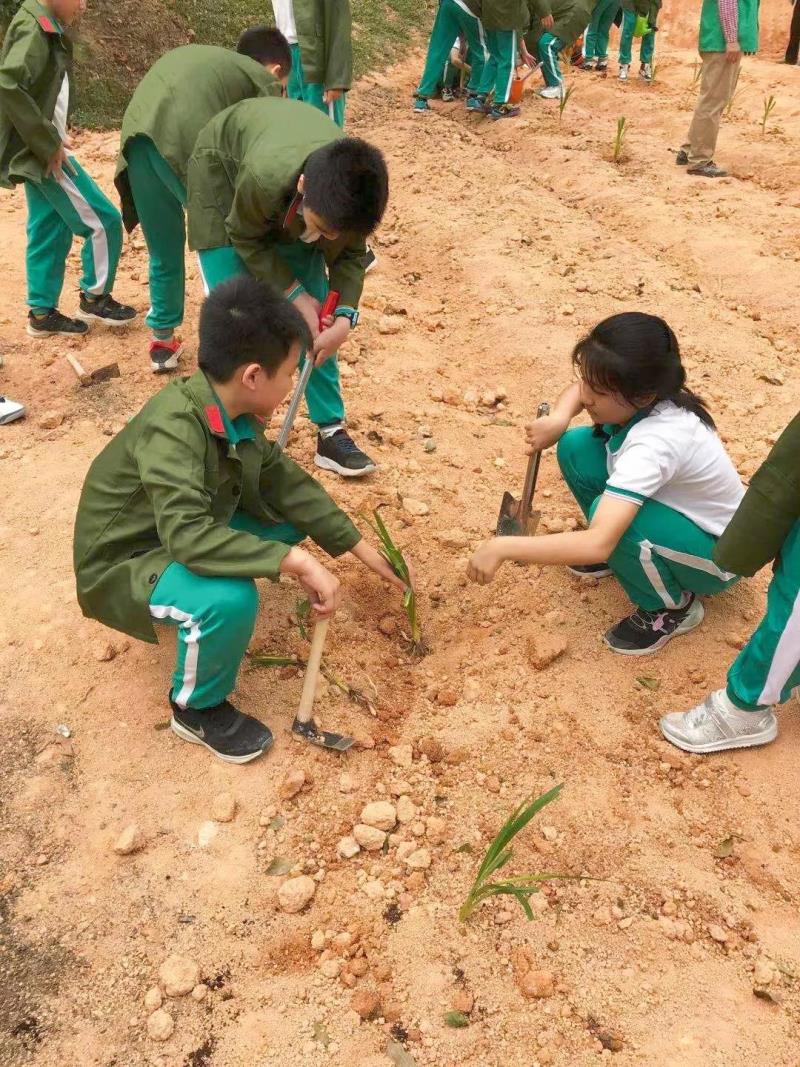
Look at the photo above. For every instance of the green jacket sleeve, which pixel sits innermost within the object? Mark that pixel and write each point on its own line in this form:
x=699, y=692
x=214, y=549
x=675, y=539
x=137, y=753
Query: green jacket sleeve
x=171, y=462
x=305, y=504
x=338, y=44
x=24, y=63
x=346, y=272
x=769, y=509
x=539, y=9
x=252, y=217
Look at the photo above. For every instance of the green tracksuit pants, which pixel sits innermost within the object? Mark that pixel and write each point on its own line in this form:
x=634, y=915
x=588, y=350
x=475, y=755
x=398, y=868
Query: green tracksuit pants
x=324, y=390
x=453, y=18
x=548, y=47
x=662, y=554
x=646, y=48
x=215, y=618
x=767, y=670
x=160, y=200
x=312, y=92
x=603, y=15
x=58, y=209
x=498, y=71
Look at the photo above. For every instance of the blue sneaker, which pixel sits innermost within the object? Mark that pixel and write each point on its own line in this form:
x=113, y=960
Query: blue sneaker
x=476, y=103
x=421, y=107
x=503, y=112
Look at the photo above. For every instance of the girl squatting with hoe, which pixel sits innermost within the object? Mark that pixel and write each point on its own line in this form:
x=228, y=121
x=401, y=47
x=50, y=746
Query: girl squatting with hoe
x=651, y=476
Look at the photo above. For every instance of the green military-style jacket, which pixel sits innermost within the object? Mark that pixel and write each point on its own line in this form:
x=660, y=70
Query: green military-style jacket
x=166, y=487
x=242, y=189
x=768, y=511
x=571, y=17
x=324, y=30
x=35, y=57
x=180, y=93
x=505, y=15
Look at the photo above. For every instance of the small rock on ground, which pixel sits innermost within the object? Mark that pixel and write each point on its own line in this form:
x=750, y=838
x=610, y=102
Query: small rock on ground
x=381, y=814
x=544, y=648
x=160, y=1025
x=223, y=807
x=178, y=975
x=130, y=840
x=292, y=783
x=296, y=893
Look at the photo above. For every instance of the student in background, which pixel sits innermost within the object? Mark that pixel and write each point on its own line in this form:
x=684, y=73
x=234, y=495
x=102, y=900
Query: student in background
x=504, y=21
x=633, y=12
x=319, y=34
x=596, y=43
x=556, y=24
x=454, y=18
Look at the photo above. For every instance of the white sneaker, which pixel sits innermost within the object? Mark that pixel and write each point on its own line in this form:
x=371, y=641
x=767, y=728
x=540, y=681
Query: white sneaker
x=646, y=72
x=551, y=92
x=10, y=410
x=717, y=724
x=624, y=68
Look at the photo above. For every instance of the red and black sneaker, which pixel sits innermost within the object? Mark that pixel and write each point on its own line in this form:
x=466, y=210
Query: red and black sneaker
x=164, y=355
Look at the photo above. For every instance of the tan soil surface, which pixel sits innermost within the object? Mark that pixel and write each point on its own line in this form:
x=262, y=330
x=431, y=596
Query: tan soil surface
x=502, y=244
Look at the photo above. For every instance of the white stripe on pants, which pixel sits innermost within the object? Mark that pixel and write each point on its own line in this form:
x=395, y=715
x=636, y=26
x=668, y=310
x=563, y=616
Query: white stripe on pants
x=98, y=232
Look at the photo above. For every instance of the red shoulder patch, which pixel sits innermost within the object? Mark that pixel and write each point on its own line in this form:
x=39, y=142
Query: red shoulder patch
x=46, y=24
x=214, y=419
x=293, y=209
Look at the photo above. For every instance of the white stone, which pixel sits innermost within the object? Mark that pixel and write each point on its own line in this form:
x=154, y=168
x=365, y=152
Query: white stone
x=381, y=814
x=406, y=810
x=401, y=755
x=130, y=840
x=369, y=837
x=160, y=1025
x=295, y=893
x=348, y=847
x=178, y=975
x=419, y=860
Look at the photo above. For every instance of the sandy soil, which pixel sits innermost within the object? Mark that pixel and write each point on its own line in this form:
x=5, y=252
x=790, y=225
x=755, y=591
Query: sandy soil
x=501, y=245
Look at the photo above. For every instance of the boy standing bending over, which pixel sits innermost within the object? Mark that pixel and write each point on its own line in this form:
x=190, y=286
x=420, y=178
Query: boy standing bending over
x=189, y=503
x=180, y=93
x=276, y=190
x=62, y=199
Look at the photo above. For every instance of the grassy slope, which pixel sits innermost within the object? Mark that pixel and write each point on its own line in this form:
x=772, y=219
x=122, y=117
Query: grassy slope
x=119, y=39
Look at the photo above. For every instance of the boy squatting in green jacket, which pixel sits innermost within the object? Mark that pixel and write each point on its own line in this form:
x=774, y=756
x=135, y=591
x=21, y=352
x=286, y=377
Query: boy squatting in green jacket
x=319, y=35
x=190, y=503
x=62, y=199
x=767, y=670
x=276, y=190
x=180, y=93
x=555, y=25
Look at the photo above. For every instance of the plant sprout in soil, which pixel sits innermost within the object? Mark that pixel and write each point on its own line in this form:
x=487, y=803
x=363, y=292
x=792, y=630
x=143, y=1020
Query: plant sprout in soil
x=397, y=561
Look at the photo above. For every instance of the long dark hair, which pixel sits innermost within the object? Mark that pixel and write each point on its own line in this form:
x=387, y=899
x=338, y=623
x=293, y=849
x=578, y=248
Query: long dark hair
x=637, y=356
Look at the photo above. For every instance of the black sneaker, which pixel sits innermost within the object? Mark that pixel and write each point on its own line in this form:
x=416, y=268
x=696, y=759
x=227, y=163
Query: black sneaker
x=708, y=170
x=682, y=158
x=590, y=570
x=54, y=324
x=228, y=733
x=504, y=111
x=106, y=310
x=340, y=453
x=648, y=631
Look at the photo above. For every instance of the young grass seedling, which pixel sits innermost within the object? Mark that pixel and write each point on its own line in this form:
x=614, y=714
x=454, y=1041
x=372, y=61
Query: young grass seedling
x=396, y=560
x=498, y=854
x=697, y=71
x=734, y=97
x=562, y=103
x=770, y=103
x=619, y=140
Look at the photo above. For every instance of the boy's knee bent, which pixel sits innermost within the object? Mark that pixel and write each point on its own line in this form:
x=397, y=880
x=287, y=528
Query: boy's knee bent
x=235, y=601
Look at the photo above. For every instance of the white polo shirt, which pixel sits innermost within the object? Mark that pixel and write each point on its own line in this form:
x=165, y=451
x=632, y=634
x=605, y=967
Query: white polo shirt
x=671, y=456
x=284, y=19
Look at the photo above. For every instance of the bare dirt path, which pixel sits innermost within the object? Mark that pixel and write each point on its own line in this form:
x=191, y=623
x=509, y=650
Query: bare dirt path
x=503, y=243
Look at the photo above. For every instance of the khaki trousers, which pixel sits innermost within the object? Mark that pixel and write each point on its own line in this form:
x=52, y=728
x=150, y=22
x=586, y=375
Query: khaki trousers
x=717, y=86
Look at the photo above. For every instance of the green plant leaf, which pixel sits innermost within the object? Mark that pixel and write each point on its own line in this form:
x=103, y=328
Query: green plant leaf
x=649, y=683
x=276, y=661
x=457, y=1019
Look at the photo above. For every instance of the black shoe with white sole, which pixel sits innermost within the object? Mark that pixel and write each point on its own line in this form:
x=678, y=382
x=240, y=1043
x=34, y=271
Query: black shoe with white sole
x=105, y=310
x=228, y=733
x=339, y=452
x=590, y=570
x=648, y=631
x=53, y=324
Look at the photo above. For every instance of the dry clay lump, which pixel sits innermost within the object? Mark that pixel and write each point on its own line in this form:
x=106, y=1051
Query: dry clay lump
x=130, y=840
x=295, y=893
x=178, y=975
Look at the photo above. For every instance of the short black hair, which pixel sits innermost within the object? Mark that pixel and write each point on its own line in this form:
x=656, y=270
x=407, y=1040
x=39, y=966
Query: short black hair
x=346, y=183
x=266, y=46
x=244, y=321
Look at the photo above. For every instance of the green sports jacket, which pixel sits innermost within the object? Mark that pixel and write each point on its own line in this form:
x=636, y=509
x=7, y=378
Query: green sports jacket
x=35, y=57
x=570, y=19
x=768, y=511
x=181, y=92
x=324, y=31
x=505, y=15
x=164, y=490
x=242, y=186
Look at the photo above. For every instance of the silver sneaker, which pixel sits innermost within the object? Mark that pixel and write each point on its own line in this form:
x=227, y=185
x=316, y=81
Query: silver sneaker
x=624, y=70
x=717, y=724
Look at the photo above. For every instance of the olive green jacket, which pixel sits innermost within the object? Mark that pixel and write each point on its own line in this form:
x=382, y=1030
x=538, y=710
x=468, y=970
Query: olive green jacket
x=180, y=93
x=35, y=57
x=505, y=15
x=242, y=184
x=324, y=31
x=571, y=17
x=166, y=487
x=768, y=511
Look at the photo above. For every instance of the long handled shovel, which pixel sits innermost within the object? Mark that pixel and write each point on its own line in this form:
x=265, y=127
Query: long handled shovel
x=303, y=726
x=516, y=518
x=328, y=308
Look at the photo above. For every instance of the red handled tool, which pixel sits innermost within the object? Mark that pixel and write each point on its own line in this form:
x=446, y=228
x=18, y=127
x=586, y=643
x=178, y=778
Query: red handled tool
x=328, y=308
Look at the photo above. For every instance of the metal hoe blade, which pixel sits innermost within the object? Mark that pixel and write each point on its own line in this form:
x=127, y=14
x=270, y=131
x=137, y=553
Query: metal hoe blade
x=516, y=518
x=307, y=731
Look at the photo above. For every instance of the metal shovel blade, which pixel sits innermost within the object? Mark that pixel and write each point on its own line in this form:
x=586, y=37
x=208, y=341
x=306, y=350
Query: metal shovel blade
x=307, y=731
x=508, y=524
x=516, y=518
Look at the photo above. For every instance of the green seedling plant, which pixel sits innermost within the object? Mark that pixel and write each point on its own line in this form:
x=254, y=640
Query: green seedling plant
x=735, y=95
x=619, y=140
x=562, y=103
x=499, y=853
x=397, y=561
x=770, y=103
x=697, y=72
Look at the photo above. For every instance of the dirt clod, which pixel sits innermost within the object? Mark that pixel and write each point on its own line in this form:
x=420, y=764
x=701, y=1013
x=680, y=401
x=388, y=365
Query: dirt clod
x=160, y=1025
x=366, y=1004
x=296, y=893
x=293, y=781
x=223, y=807
x=536, y=985
x=130, y=840
x=178, y=975
x=544, y=648
x=380, y=814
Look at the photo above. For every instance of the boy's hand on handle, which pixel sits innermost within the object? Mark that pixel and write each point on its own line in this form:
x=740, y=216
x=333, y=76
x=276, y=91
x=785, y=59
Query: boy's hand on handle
x=309, y=308
x=548, y=22
x=372, y=558
x=331, y=338
x=324, y=589
x=544, y=432
x=485, y=562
